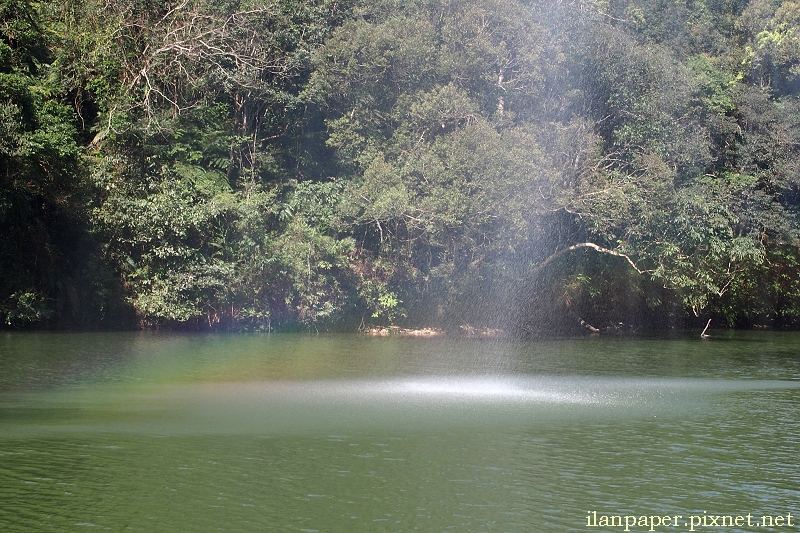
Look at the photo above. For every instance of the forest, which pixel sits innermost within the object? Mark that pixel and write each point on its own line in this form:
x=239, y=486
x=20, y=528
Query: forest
x=541, y=166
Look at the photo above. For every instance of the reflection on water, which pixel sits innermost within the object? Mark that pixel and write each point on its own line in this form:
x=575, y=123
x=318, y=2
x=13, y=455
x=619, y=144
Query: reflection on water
x=298, y=433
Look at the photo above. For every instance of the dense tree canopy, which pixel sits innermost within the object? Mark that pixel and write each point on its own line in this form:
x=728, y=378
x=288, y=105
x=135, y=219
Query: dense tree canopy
x=524, y=164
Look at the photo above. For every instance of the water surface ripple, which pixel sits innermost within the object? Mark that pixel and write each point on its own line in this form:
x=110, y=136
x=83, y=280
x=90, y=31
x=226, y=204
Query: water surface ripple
x=131, y=432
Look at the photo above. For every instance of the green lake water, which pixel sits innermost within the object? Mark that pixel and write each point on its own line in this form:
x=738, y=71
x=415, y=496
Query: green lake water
x=201, y=433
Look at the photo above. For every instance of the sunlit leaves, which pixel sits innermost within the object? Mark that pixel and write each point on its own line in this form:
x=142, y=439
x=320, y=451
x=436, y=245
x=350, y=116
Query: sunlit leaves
x=239, y=163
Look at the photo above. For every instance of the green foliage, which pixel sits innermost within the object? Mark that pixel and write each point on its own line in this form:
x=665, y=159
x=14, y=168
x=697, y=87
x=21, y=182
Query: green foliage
x=315, y=267
x=775, y=53
x=26, y=307
x=239, y=164
x=49, y=268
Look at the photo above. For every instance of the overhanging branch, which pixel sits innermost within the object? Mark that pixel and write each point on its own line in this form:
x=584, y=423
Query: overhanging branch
x=591, y=245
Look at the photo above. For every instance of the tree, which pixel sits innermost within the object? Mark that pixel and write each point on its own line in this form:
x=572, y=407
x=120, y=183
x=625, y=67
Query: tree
x=49, y=268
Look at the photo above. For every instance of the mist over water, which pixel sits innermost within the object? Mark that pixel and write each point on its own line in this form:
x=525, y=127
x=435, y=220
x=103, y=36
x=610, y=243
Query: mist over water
x=345, y=433
x=278, y=407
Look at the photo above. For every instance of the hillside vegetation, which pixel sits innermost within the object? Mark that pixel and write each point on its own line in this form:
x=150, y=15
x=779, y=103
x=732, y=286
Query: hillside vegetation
x=323, y=164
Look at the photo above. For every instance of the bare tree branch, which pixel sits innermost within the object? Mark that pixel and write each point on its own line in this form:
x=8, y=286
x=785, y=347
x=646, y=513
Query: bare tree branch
x=591, y=245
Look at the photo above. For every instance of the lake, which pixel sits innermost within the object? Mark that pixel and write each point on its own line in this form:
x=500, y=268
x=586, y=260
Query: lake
x=164, y=432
